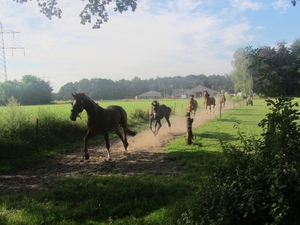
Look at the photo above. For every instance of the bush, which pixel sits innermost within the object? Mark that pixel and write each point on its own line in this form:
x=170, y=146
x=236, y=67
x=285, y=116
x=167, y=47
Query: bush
x=14, y=122
x=139, y=115
x=257, y=182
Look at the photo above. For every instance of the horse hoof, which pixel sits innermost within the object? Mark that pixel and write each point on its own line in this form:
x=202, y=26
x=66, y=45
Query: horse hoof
x=86, y=156
x=108, y=160
x=126, y=146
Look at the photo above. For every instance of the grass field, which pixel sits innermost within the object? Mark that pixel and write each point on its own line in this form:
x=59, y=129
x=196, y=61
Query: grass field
x=144, y=199
x=178, y=106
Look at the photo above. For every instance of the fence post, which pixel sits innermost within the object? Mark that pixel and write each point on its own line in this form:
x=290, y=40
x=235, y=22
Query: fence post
x=36, y=126
x=189, y=129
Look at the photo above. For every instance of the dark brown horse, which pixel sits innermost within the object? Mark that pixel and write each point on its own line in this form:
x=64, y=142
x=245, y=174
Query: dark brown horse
x=209, y=101
x=192, y=105
x=100, y=121
x=222, y=101
x=157, y=112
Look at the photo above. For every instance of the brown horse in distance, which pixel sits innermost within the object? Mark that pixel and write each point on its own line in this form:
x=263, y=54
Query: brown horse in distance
x=222, y=100
x=209, y=101
x=192, y=105
x=100, y=121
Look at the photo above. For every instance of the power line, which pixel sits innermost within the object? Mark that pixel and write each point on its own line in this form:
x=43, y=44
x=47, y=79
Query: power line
x=3, y=71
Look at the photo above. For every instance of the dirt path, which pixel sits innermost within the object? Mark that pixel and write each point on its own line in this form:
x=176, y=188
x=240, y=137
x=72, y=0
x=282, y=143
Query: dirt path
x=144, y=156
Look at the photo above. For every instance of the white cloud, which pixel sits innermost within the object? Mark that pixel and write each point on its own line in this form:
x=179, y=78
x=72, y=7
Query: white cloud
x=260, y=28
x=245, y=4
x=235, y=34
x=281, y=5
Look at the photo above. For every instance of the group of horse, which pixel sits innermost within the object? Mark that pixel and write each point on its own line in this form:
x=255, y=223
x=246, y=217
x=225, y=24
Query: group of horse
x=103, y=120
x=209, y=103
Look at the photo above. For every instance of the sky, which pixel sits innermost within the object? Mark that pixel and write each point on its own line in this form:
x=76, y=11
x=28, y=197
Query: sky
x=164, y=38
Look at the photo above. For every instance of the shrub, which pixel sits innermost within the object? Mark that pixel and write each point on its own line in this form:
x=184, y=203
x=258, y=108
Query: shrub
x=25, y=140
x=139, y=114
x=257, y=182
x=14, y=122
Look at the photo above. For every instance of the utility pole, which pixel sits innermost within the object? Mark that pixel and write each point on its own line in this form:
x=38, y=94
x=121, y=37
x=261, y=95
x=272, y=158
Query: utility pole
x=3, y=71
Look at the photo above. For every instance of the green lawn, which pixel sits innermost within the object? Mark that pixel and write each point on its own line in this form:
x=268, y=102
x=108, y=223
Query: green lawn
x=146, y=199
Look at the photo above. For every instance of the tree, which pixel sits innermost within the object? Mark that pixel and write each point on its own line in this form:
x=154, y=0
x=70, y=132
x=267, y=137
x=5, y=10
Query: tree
x=293, y=2
x=9, y=89
x=65, y=91
x=241, y=75
x=295, y=52
x=275, y=69
x=94, y=8
x=35, y=91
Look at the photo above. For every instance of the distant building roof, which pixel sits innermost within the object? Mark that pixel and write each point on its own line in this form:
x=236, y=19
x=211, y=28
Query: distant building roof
x=179, y=91
x=198, y=91
x=150, y=94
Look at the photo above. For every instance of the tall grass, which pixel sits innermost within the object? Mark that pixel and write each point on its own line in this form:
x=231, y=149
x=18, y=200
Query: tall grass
x=27, y=138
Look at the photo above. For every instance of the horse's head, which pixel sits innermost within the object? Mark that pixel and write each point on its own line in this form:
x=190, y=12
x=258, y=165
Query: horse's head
x=191, y=98
x=154, y=109
x=77, y=106
x=206, y=95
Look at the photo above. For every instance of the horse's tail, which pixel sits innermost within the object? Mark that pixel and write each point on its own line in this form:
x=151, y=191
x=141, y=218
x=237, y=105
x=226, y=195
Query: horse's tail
x=125, y=124
x=130, y=132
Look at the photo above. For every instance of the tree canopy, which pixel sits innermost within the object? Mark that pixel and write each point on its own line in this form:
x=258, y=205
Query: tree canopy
x=271, y=71
x=29, y=91
x=93, y=8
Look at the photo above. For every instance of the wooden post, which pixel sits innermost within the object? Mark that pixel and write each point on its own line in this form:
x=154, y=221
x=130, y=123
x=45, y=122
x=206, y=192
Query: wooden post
x=36, y=126
x=189, y=130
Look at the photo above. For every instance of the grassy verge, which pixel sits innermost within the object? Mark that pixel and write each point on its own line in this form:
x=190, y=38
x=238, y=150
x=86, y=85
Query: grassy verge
x=144, y=199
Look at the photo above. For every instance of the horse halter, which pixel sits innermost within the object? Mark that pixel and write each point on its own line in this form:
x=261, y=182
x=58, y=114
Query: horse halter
x=77, y=107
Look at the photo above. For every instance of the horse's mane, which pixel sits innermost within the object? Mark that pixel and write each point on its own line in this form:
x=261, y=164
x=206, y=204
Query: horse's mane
x=82, y=94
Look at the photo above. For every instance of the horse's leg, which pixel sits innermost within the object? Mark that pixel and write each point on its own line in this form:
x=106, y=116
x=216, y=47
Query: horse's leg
x=107, y=145
x=150, y=126
x=124, y=141
x=168, y=121
x=88, y=136
x=159, y=126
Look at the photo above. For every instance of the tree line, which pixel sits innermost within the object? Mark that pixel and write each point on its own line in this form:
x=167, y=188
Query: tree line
x=107, y=89
x=254, y=71
x=32, y=90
